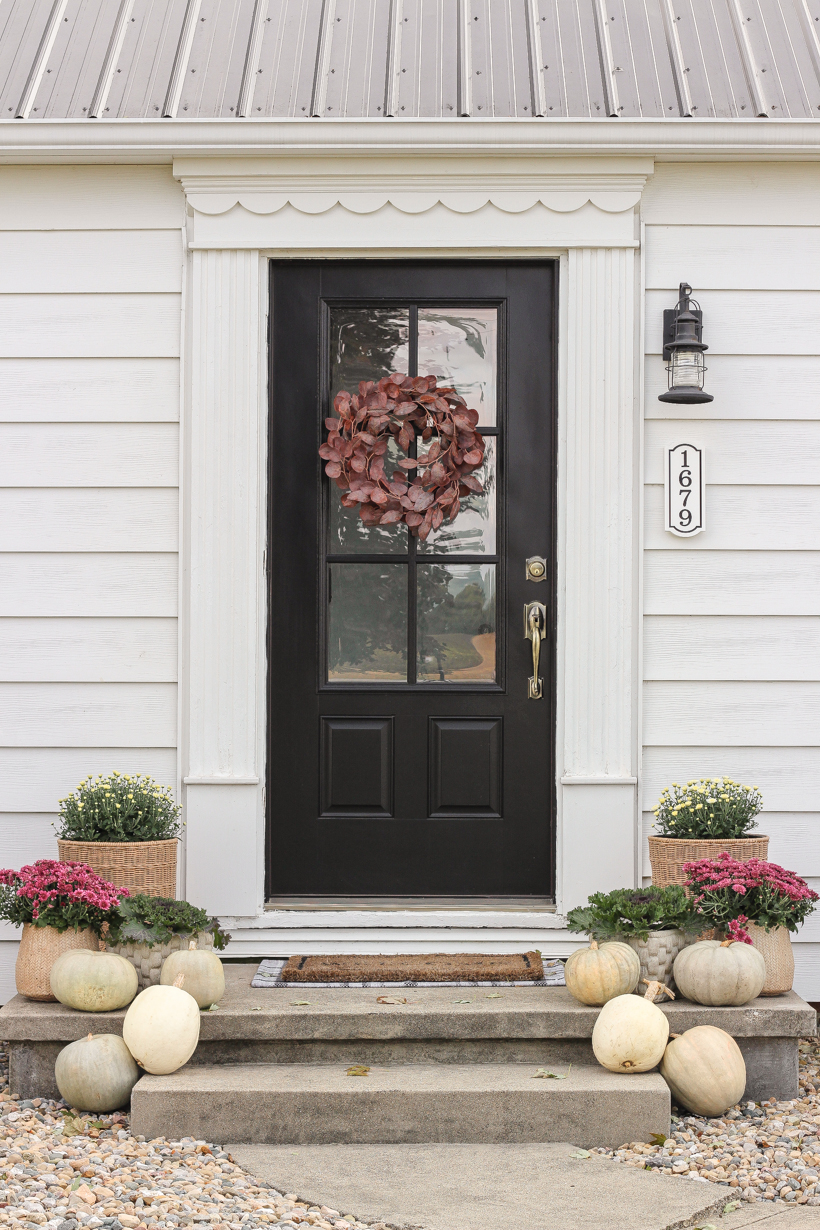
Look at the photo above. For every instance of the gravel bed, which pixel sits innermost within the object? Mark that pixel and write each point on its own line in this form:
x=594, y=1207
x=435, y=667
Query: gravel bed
x=61, y=1168
x=758, y=1150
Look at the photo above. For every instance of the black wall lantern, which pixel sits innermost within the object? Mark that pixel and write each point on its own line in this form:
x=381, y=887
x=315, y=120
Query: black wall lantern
x=683, y=350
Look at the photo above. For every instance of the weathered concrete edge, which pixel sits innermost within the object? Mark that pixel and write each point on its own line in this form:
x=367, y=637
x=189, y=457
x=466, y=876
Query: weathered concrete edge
x=789, y=1017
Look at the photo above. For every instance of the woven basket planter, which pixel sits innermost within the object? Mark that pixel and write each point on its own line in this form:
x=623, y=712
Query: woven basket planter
x=148, y=867
x=148, y=961
x=657, y=956
x=39, y=949
x=776, y=946
x=668, y=854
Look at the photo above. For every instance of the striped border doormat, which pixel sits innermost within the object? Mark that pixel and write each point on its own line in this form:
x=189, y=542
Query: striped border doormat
x=269, y=976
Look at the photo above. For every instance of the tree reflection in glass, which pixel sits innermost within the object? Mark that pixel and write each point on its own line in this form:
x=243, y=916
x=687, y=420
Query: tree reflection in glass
x=456, y=623
x=365, y=344
x=367, y=623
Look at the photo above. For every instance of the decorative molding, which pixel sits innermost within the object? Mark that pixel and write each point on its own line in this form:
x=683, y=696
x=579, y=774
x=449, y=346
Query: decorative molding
x=259, y=202
x=599, y=779
x=220, y=781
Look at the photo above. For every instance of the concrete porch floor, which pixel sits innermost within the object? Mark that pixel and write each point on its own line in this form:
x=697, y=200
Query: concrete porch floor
x=314, y=1025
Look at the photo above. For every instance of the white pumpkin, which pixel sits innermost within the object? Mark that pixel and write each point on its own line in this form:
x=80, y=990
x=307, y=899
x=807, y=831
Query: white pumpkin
x=704, y=1068
x=630, y=1034
x=96, y=1073
x=202, y=970
x=720, y=973
x=595, y=975
x=93, y=981
x=161, y=1029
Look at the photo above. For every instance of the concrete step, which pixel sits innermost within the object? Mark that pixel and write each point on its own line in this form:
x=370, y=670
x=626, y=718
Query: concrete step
x=403, y=1103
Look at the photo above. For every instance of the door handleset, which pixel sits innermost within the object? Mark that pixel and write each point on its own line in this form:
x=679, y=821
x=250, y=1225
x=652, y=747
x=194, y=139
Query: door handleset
x=535, y=628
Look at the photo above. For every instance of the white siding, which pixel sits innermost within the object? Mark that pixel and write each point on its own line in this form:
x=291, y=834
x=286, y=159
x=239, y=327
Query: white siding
x=90, y=280
x=732, y=617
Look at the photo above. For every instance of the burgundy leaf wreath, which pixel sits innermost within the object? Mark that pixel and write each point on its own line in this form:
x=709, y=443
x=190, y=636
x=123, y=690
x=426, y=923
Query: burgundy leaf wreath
x=409, y=408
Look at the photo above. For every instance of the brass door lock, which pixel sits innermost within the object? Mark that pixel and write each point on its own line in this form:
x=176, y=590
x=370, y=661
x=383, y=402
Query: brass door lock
x=536, y=568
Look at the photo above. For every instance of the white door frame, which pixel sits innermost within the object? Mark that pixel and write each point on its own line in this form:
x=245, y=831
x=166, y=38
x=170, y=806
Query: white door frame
x=241, y=212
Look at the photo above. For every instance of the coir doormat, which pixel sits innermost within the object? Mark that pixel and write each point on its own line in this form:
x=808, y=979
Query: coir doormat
x=432, y=970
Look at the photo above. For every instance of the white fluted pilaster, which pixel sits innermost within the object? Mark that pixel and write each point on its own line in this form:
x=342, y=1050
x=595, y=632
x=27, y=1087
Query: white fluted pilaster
x=598, y=584
x=224, y=543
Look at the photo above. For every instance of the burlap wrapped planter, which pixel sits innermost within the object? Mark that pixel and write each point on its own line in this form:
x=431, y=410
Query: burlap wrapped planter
x=657, y=956
x=148, y=867
x=776, y=946
x=668, y=854
x=148, y=961
x=39, y=949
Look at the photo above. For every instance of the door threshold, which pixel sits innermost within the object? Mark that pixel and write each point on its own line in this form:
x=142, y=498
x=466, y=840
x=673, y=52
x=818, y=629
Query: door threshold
x=507, y=905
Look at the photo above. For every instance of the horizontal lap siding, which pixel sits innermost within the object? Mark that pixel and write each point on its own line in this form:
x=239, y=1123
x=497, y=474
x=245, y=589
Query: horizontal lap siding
x=731, y=646
x=90, y=279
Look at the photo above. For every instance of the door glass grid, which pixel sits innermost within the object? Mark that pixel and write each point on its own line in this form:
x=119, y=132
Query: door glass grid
x=399, y=610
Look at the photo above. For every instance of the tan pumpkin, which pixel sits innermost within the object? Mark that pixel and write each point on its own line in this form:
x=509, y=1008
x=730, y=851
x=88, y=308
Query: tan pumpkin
x=704, y=1069
x=93, y=981
x=630, y=1034
x=720, y=973
x=96, y=1073
x=596, y=975
x=202, y=970
x=161, y=1028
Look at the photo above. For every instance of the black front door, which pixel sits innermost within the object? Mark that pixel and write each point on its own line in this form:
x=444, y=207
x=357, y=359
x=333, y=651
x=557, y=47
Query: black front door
x=406, y=753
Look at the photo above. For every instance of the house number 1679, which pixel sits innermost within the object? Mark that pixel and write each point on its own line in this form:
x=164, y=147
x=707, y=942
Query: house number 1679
x=684, y=490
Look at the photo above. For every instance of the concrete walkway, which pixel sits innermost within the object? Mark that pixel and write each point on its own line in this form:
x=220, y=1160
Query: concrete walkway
x=493, y=1187
x=771, y=1217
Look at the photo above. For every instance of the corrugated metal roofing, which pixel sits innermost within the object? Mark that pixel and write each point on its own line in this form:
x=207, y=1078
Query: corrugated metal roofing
x=149, y=59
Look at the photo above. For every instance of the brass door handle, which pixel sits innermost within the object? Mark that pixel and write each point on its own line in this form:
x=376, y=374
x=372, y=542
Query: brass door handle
x=535, y=628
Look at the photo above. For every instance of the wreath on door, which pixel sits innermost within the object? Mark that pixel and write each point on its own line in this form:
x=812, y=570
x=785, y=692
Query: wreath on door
x=413, y=410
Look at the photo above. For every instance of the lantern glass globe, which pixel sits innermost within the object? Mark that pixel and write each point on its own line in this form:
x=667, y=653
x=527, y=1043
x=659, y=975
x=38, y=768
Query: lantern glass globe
x=686, y=369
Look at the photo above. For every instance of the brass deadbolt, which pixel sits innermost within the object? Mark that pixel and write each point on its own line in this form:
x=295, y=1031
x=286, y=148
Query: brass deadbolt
x=536, y=568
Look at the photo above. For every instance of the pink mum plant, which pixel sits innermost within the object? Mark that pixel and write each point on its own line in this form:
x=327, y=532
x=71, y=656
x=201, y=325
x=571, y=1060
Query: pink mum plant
x=728, y=894
x=59, y=895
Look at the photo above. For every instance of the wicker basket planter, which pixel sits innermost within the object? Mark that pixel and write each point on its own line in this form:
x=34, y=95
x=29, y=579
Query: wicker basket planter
x=148, y=961
x=668, y=854
x=657, y=955
x=776, y=946
x=148, y=867
x=39, y=949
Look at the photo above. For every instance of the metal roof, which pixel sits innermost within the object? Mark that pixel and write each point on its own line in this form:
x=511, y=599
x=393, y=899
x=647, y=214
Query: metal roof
x=207, y=59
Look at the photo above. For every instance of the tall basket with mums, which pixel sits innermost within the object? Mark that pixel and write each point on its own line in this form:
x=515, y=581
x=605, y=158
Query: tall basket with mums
x=703, y=819
x=756, y=902
x=61, y=906
x=126, y=828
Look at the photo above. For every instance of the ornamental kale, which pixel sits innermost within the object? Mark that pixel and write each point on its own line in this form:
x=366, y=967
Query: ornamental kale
x=634, y=912
x=153, y=920
x=711, y=807
x=119, y=808
x=728, y=892
x=59, y=895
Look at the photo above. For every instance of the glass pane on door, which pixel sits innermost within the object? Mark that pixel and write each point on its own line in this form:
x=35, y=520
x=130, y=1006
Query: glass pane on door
x=473, y=531
x=460, y=346
x=367, y=623
x=367, y=343
x=456, y=623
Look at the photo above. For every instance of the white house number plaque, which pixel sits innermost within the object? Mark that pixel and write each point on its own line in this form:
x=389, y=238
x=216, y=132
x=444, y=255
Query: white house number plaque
x=684, y=490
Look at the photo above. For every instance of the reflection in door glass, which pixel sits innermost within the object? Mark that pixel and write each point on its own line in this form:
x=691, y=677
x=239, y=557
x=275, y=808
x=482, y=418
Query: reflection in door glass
x=348, y=533
x=456, y=623
x=367, y=623
x=473, y=531
x=366, y=344
x=459, y=345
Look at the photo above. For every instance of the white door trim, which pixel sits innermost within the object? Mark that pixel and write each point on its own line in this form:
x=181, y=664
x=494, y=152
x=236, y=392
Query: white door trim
x=242, y=212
